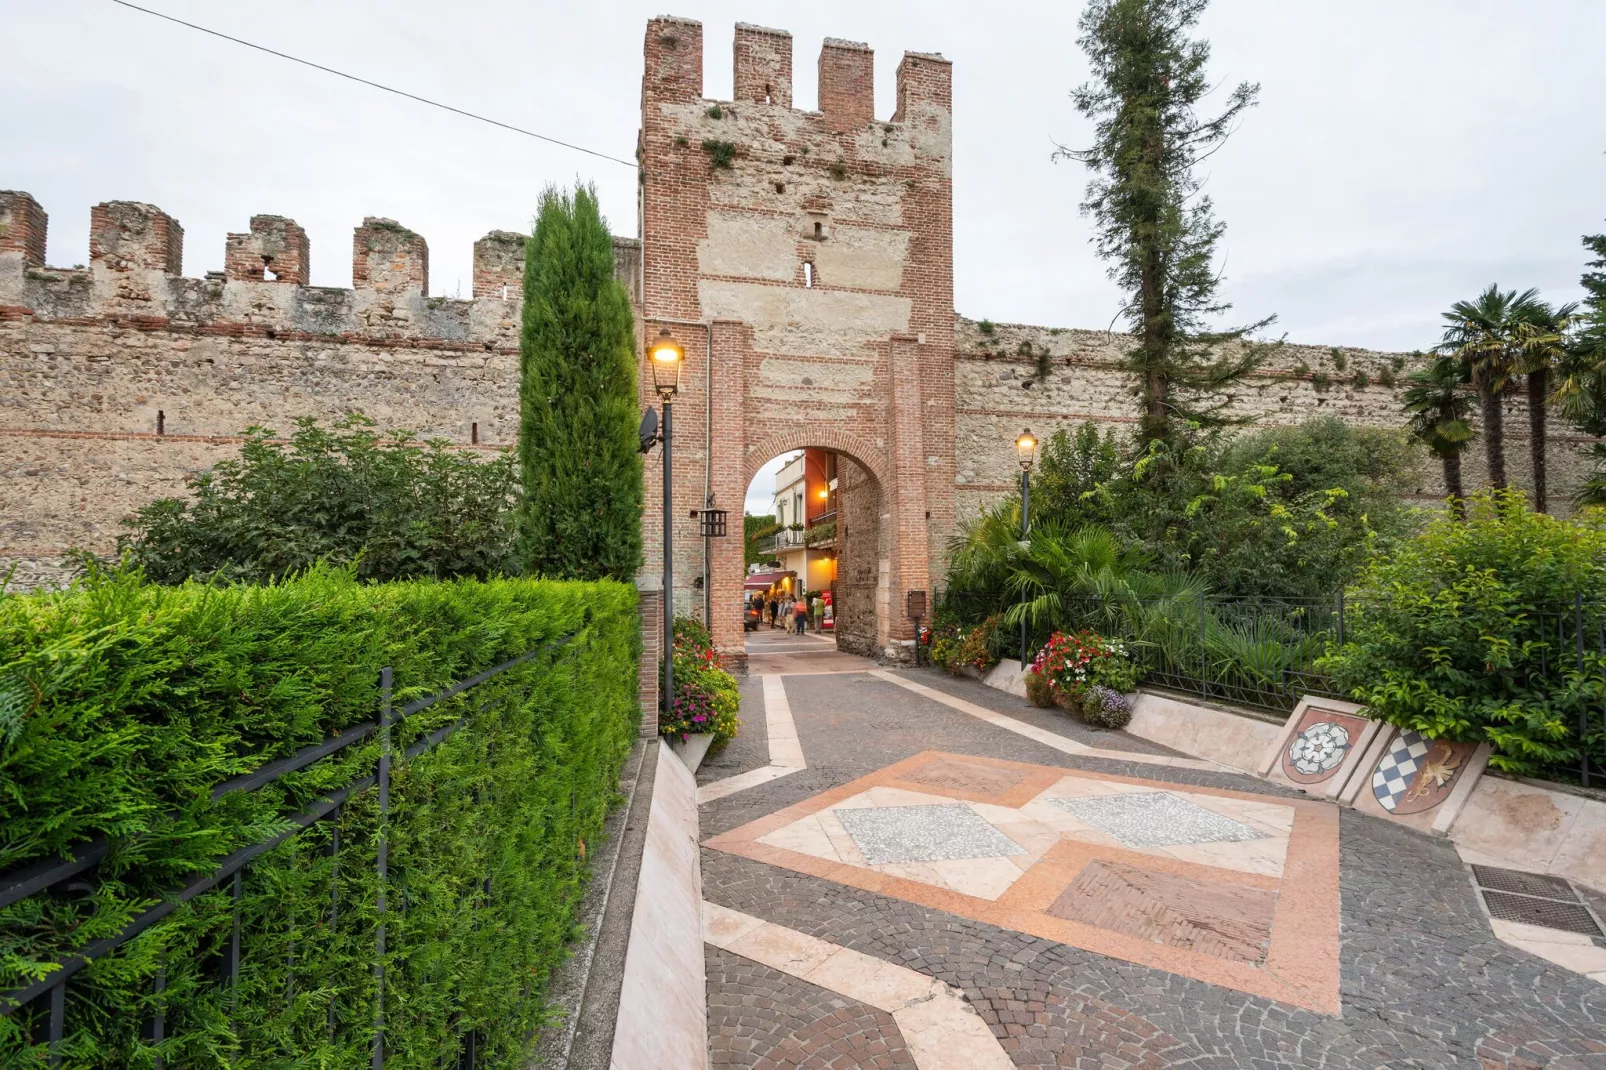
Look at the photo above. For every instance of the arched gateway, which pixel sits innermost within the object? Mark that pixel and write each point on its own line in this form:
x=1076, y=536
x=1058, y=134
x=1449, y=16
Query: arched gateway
x=805, y=262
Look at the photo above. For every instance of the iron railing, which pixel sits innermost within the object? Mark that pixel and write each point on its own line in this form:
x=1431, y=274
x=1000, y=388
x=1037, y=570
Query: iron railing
x=58, y=874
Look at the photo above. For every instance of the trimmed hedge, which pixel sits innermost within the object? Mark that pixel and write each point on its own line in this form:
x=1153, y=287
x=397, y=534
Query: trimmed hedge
x=123, y=703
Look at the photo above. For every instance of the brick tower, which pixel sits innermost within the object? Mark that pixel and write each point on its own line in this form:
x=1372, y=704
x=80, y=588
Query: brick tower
x=805, y=261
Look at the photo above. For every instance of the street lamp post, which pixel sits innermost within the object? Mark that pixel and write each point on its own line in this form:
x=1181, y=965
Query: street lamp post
x=667, y=356
x=1025, y=453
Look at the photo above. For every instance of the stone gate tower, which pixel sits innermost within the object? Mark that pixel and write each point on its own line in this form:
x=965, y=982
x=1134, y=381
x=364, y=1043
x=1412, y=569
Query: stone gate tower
x=805, y=261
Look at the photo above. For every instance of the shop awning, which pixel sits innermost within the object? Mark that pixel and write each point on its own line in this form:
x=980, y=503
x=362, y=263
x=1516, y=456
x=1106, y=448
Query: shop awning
x=763, y=581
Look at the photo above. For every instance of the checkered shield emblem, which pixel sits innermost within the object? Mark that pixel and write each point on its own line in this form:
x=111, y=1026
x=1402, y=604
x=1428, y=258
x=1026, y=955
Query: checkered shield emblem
x=1398, y=769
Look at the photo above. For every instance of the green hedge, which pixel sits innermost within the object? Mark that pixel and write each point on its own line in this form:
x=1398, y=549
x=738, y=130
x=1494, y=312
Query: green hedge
x=122, y=704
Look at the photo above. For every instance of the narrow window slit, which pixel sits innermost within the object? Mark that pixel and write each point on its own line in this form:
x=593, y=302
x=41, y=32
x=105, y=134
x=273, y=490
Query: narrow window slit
x=161, y=422
x=474, y=434
x=808, y=274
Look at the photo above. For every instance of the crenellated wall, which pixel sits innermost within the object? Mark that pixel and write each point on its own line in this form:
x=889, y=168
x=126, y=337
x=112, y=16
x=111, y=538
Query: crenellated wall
x=120, y=380
x=998, y=393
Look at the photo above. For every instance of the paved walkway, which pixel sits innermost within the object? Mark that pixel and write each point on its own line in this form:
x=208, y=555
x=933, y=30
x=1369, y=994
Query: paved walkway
x=906, y=870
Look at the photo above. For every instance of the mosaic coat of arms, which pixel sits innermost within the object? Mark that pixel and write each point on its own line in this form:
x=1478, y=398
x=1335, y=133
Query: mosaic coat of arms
x=1320, y=744
x=1418, y=774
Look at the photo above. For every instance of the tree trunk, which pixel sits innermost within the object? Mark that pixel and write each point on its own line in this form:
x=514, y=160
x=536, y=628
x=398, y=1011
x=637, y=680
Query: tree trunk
x=1538, y=389
x=1452, y=485
x=1494, y=435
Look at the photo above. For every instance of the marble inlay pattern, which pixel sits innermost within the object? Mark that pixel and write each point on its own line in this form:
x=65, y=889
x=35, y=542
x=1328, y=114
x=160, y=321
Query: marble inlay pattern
x=1155, y=819
x=1187, y=879
x=924, y=834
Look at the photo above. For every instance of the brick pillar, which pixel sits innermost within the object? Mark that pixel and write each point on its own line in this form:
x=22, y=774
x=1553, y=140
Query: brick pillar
x=732, y=346
x=763, y=70
x=499, y=265
x=275, y=250
x=388, y=258
x=648, y=678
x=910, y=548
x=22, y=227
x=128, y=235
x=847, y=83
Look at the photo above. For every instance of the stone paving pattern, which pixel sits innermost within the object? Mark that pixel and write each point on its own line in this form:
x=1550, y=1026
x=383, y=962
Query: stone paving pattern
x=761, y=1019
x=1424, y=981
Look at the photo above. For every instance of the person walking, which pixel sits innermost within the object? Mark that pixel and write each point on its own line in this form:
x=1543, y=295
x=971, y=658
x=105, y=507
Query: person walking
x=800, y=613
x=774, y=607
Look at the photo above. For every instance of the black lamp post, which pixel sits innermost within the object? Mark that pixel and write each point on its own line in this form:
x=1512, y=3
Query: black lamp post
x=1026, y=453
x=667, y=355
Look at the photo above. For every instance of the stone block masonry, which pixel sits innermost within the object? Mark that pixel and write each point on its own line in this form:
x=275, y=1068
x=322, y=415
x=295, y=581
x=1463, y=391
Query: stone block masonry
x=122, y=380
x=1009, y=376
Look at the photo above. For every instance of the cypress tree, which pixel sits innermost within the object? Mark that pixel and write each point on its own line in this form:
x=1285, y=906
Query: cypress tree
x=580, y=517
x=1155, y=228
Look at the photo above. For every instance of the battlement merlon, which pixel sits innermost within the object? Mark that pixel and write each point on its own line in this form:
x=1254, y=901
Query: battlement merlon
x=134, y=276
x=762, y=73
x=762, y=65
x=22, y=227
x=275, y=250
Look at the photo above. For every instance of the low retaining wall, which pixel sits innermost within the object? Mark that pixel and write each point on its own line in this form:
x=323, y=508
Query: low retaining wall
x=1239, y=740
x=663, y=1005
x=1536, y=828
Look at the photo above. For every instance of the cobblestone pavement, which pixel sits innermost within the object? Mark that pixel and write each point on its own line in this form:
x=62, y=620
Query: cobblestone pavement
x=1422, y=981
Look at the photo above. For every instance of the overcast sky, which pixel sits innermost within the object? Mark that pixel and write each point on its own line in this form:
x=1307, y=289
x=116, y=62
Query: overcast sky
x=1404, y=155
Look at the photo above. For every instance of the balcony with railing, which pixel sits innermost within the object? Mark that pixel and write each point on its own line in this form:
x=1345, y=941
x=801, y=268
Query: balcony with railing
x=819, y=535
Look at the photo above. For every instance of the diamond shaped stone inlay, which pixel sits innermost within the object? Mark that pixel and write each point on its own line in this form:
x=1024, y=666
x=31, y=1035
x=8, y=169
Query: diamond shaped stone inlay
x=924, y=834
x=1155, y=819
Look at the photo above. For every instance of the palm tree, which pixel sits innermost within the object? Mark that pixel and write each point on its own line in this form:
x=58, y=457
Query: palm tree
x=1436, y=397
x=1483, y=334
x=1541, y=341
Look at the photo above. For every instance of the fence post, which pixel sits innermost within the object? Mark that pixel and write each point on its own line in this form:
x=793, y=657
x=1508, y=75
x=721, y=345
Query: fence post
x=1583, y=711
x=383, y=861
x=58, y=1021
x=334, y=902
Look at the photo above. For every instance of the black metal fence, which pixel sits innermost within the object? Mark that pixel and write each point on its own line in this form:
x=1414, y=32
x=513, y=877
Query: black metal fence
x=1262, y=652
x=44, y=1001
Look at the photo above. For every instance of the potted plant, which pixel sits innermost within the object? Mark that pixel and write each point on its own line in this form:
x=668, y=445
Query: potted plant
x=1087, y=674
x=701, y=715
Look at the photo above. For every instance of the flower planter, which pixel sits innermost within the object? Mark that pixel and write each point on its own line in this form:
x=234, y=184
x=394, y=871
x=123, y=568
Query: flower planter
x=691, y=748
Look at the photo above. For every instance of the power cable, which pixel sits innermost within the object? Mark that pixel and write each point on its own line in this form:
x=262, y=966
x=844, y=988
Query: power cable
x=376, y=85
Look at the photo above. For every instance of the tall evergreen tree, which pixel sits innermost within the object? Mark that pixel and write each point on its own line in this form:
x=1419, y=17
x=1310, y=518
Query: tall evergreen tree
x=580, y=517
x=1154, y=227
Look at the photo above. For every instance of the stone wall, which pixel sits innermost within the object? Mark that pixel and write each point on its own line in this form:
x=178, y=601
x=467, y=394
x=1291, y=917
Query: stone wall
x=998, y=392
x=121, y=380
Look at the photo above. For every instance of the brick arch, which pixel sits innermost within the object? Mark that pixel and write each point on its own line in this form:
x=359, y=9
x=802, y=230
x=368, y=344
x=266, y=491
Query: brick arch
x=825, y=438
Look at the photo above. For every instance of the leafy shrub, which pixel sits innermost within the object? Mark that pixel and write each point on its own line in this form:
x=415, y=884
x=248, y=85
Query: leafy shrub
x=1107, y=707
x=956, y=648
x=706, y=699
x=1288, y=512
x=394, y=507
x=127, y=702
x=1467, y=633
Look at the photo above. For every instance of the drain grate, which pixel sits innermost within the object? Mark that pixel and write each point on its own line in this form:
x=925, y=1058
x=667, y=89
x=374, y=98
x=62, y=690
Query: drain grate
x=1511, y=880
x=1568, y=917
